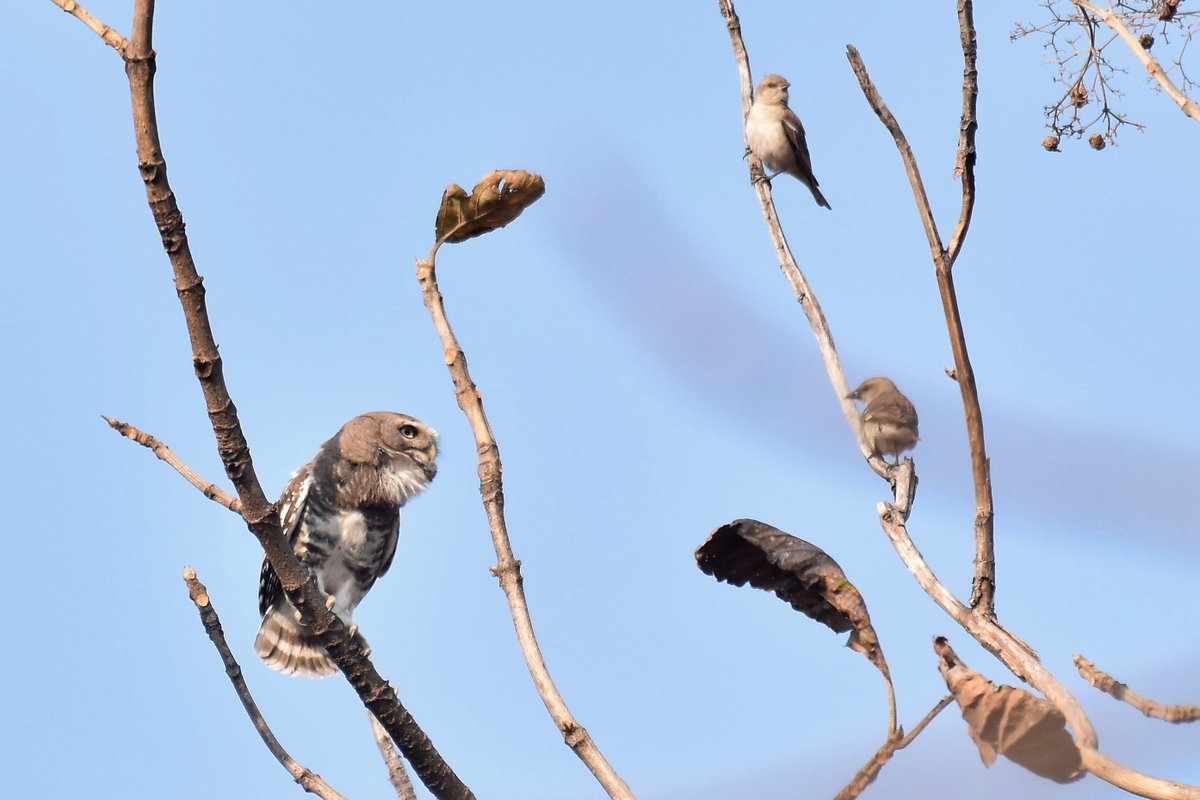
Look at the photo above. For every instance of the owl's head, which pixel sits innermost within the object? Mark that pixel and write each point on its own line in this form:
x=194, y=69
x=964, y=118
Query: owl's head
x=391, y=456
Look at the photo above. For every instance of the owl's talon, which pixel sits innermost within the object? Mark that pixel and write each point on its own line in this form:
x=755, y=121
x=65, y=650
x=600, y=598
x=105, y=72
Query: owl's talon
x=330, y=602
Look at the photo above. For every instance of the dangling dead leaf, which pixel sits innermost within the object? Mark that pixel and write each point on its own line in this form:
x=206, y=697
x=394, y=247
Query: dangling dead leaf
x=1011, y=722
x=802, y=574
x=495, y=201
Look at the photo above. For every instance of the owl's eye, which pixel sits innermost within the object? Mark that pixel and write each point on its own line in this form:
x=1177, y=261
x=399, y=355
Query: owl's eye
x=408, y=431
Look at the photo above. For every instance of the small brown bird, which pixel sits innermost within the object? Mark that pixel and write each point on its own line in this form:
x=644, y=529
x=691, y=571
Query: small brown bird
x=775, y=135
x=888, y=419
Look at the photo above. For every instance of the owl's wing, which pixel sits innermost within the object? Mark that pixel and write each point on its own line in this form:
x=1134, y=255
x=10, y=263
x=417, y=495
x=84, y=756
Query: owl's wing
x=291, y=510
x=389, y=548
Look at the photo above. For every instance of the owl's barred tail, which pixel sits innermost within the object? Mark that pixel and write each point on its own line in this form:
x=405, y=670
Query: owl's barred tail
x=283, y=645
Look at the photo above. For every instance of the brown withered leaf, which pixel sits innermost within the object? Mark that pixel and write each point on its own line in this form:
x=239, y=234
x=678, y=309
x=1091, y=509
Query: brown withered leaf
x=1009, y=721
x=495, y=201
x=800, y=573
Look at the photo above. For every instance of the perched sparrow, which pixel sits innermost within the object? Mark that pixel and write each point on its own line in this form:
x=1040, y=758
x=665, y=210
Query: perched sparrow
x=774, y=133
x=341, y=512
x=888, y=420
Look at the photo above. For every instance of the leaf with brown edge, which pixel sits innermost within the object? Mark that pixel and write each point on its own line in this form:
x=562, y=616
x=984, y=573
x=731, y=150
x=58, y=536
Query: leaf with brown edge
x=495, y=201
x=1009, y=721
x=801, y=574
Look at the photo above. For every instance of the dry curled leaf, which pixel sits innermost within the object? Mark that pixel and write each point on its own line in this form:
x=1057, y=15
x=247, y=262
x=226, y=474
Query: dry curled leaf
x=495, y=201
x=802, y=574
x=1012, y=722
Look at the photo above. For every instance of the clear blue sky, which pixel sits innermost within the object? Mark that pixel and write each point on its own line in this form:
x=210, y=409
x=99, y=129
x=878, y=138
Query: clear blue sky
x=648, y=374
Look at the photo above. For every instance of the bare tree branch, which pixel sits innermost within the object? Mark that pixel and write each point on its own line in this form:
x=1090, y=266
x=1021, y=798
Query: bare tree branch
x=309, y=780
x=898, y=741
x=1023, y=662
x=111, y=37
x=978, y=620
x=259, y=514
x=395, y=767
x=1186, y=104
x=983, y=590
x=1119, y=691
x=787, y=262
x=508, y=568
x=164, y=453
x=1090, y=79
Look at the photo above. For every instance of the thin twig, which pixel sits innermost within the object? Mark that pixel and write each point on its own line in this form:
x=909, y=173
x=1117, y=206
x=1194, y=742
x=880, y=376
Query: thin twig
x=1119, y=691
x=508, y=568
x=984, y=584
x=260, y=515
x=308, y=779
x=395, y=767
x=898, y=741
x=787, y=262
x=206, y=487
x=111, y=37
x=1186, y=104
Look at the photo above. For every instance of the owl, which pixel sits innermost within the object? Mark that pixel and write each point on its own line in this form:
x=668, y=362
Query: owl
x=341, y=513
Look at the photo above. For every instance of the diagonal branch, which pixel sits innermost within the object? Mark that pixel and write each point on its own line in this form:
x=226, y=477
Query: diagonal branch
x=1186, y=104
x=260, y=515
x=164, y=453
x=1120, y=691
x=309, y=780
x=870, y=771
x=111, y=37
x=508, y=568
x=787, y=262
x=984, y=585
x=1024, y=663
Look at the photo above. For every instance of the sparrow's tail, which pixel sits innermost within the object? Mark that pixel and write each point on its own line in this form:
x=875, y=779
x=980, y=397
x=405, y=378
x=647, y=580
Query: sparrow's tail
x=284, y=645
x=820, y=198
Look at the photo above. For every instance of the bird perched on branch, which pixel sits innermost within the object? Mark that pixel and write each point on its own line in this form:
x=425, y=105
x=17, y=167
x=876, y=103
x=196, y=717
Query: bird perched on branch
x=341, y=513
x=888, y=419
x=775, y=135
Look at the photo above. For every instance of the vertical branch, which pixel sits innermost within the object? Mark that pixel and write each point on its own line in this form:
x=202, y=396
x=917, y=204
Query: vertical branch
x=508, y=568
x=259, y=514
x=983, y=587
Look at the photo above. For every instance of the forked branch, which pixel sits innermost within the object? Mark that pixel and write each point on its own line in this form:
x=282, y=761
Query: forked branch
x=870, y=771
x=259, y=514
x=984, y=584
x=1113, y=20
